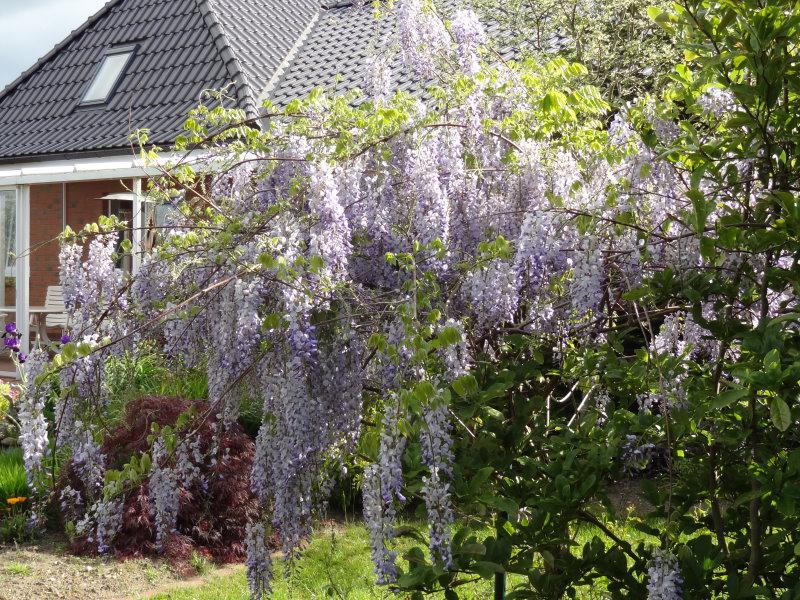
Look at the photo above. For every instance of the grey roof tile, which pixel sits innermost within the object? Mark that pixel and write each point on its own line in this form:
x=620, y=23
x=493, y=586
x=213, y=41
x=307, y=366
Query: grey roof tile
x=185, y=47
x=267, y=48
x=333, y=56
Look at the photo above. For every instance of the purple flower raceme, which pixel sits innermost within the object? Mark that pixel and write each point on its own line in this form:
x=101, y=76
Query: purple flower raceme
x=33, y=436
x=664, y=579
x=437, y=455
x=381, y=529
x=378, y=77
x=164, y=494
x=259, y=561
x=469, y=35
x=423, y=37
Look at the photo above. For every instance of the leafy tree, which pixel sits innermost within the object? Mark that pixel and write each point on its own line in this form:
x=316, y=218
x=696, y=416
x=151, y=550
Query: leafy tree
x=626, y=54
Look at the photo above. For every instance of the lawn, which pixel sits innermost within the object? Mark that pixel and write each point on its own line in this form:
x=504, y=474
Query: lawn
x=336, y=564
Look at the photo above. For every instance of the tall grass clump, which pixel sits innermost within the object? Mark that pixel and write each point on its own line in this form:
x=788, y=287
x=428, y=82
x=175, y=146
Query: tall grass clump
x=13, y=483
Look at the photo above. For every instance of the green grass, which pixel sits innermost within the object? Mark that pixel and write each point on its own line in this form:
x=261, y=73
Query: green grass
x=337, y=564
x=18, y=569
x=13, y=482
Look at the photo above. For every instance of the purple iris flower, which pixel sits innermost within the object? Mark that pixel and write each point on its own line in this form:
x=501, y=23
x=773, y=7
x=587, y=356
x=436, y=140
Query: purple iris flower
x=11, y=342
x=65, y=339
x=22, y=357
x=11, y=327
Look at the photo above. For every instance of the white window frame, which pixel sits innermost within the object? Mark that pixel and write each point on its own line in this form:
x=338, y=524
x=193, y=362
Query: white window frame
x=21, y=264
x=10, y=269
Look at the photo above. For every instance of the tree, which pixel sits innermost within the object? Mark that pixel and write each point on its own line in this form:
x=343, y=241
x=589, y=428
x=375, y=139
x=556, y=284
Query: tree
x=626, y=54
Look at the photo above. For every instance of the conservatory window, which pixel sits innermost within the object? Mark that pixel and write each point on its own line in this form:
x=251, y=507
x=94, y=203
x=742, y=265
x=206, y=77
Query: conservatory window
x=8, y=226
x=108, y=75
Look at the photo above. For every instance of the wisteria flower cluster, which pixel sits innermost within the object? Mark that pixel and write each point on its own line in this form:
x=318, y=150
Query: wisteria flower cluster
x=664, y=580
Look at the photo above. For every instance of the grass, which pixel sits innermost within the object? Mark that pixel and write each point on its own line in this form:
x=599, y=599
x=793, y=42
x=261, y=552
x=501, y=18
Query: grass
x=337, y=564
x=18, y=569
x=200, y=563
x=13, y=482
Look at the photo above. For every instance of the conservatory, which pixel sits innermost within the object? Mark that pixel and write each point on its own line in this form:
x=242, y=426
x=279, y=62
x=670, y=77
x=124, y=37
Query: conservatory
x=36, y=204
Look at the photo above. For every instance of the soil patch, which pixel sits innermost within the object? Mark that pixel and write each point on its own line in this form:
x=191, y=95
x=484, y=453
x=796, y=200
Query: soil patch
x=45, y=571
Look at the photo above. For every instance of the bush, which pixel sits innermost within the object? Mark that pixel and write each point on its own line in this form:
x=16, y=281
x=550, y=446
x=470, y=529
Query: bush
x=214, y=509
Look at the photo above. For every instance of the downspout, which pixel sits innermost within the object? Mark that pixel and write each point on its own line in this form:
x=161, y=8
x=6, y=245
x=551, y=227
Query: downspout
x=63, y=205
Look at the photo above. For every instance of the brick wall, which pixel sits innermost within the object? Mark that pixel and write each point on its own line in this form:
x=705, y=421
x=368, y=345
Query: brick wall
x=46, y=224
x=83, y=205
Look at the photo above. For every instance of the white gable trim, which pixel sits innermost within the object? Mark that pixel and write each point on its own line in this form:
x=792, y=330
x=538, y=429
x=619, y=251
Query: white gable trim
x=86, y=169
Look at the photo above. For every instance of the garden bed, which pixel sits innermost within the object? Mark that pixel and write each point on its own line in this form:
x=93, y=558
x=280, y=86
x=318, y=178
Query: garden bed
x=46, y=570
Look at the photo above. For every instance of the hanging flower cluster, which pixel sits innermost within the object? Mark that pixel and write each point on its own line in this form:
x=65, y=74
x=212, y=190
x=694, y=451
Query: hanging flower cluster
x=33, y=437
x=664, y=580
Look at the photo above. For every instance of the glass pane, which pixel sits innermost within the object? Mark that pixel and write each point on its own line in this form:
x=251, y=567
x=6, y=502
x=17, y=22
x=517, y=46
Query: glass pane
x=8, y=235
x=106, y=77
x=124, y=210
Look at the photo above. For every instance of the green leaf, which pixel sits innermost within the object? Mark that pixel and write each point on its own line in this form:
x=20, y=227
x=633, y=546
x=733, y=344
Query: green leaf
x=486, y=569
x=773, y=359
x=415, y=577
x=653, y=12
x=728, y=397
x=780, y=413
x=449, y=336
x=465, y=385
x=702, y=208
x=480, y=478
x=474, y=548
x=636, y=293
x=69, y=351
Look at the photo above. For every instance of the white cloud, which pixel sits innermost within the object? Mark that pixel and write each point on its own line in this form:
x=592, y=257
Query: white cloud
x=30, y=28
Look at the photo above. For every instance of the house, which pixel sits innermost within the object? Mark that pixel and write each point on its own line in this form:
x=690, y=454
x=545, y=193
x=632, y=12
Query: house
x=65, y=154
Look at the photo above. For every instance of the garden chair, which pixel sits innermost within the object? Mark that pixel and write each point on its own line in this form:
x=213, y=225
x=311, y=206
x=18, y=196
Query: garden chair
x=52, y=314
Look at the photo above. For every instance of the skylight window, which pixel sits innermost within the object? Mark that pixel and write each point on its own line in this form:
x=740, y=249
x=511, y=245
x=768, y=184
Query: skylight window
x=108, y=75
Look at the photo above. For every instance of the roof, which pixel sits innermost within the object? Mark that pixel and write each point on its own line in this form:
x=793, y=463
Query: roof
x=334, y=53
x=183, y=48
x=276, y=49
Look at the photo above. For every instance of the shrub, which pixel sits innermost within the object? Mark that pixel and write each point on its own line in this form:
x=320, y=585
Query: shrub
x=14, y=528
x=214, y=509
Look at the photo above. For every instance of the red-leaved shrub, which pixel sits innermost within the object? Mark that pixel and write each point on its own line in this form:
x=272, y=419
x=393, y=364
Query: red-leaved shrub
x=210, y=521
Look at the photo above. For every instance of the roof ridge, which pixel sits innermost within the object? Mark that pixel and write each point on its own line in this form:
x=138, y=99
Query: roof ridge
x=58, y=47
x=244, y=94
x=290, y=57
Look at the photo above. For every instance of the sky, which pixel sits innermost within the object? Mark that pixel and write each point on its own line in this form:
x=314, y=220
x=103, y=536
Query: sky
x=30, y=28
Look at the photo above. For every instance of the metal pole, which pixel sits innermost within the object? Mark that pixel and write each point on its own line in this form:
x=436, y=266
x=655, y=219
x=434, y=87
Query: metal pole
x=499, y=586
x=500, y=578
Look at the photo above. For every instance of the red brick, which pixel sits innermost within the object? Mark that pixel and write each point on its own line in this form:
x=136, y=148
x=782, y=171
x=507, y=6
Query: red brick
x=83, y=205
